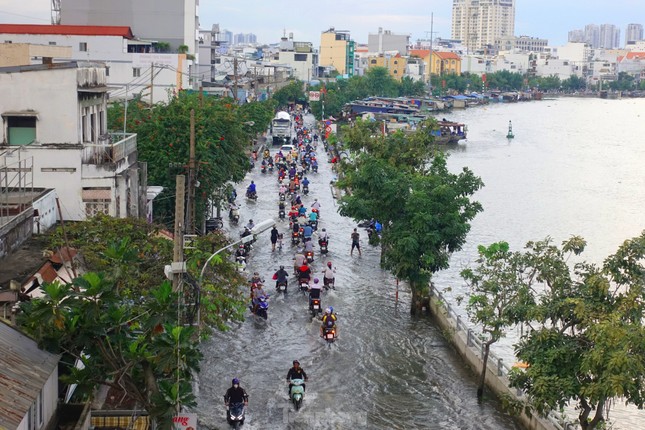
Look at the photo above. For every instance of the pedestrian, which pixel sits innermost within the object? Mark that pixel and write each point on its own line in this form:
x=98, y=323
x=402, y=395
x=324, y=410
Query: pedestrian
x=355, y=242
x=274, y=237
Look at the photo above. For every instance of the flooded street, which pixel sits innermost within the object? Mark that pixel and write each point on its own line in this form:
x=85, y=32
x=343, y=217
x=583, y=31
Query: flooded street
x=386, y=370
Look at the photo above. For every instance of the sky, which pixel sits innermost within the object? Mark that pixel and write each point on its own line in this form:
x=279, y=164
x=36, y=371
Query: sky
x=306, y=19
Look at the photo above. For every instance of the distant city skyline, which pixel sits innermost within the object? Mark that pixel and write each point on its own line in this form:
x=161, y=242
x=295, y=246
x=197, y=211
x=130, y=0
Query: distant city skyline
x=547, y=19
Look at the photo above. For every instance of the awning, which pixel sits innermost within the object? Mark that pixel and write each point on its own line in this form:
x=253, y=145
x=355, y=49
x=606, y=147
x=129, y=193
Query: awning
x=23, y=113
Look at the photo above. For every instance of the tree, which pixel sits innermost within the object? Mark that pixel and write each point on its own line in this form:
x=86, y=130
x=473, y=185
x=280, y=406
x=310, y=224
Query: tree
x=163, y=136
x=499, y=295
x=137, y=346
x=425, y=210
x=380, y=83
x=586, y=339
x=291, y=93
x=410, y=87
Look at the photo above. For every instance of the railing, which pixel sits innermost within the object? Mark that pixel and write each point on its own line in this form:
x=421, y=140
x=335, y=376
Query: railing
x=475, y=343
x=109, y=152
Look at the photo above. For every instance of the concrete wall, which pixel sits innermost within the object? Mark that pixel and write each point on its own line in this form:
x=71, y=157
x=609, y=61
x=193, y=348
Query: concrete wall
x=469, y=348
x=333, y=52
x=50, y=402
x=47, y=212
x=17, y=54
x=15, y=232
x=302, y=70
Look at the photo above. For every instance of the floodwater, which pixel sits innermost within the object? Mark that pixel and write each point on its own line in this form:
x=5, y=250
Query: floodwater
x=386, y=370
x=575, y=167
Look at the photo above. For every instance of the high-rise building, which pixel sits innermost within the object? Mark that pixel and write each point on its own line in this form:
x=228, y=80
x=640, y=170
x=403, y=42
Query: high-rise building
x=634, y=33
x=173, y=21
x=479, y=23
x=227, y=36
x=337, y=51
x=576, y=36
x=609, y=36
x=244, y=39
x=592, y=35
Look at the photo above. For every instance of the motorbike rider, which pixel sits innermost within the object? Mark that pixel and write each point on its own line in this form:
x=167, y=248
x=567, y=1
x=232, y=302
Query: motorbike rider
x=280, y=276
x=316, y=205
x=323, y=236
x=307, y=232
x=314, y=291
x=299, y=259
x=304, y=272
x=302, y=211
x=309, y=246
x=282, y=190
x=250, y=225
x=305, y=182
x=232, y=207
x=256, y=293
x=296, y=372
x=236, y=394
x=328, y=320
x=241, y=252
x=232, y=196
x=313, y=217
x=251, y=189
x=328, y=274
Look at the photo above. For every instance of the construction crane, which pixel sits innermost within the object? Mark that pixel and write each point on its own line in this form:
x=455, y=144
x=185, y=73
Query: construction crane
x=56, y=12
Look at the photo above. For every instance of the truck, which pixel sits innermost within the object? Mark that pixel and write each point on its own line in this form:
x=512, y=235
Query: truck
x=281, y=128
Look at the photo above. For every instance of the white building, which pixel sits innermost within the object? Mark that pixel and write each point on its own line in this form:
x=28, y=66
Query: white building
x=521, y=43
x=578, y=54
x=56, y=114
x=634, y=33
x=479, y=23
x=28, y=382
x=561, y=68
x=386, y=41
x=415, y=69
x=299, y=56
x=132, y=66
x=173, y=21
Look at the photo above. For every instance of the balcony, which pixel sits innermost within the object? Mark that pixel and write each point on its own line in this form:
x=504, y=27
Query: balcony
x=108, y=152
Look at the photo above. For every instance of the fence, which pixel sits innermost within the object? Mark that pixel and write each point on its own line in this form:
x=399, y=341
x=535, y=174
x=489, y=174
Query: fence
x=495, y=364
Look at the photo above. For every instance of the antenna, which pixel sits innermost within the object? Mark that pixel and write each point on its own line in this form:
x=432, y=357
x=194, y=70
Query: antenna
x=56, y=12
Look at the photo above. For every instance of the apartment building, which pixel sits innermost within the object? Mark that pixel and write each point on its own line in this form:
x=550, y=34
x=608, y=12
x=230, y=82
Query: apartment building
x=337, y=51
x=479, y=23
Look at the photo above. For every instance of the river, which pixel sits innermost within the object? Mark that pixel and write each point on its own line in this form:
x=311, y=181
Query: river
x=387, y=370
x=575, y=167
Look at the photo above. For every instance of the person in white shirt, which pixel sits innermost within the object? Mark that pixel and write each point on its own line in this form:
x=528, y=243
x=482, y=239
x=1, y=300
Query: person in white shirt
x=329, y=275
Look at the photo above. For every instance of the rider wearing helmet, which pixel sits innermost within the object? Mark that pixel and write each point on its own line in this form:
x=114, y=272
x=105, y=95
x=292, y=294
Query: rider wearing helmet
x=241, y=251
x=328, y=274
x=280, y=276
x=314, y=291
x=236, y=394
x=328, y=320
x=296, y=372
x=323, y=236
x=250, y=225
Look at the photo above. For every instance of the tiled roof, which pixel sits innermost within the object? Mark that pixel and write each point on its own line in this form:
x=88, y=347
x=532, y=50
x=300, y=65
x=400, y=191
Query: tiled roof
x=420, y=52
x=76, y=30
x=447, y=55
x=635, y=55
x=24, y=370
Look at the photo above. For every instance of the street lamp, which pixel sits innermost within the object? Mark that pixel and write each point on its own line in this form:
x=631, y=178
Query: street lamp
x=259, y=228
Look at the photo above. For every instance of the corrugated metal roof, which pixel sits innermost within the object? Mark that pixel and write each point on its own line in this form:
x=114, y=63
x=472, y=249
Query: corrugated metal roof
x=24, y=369
x=77, y=30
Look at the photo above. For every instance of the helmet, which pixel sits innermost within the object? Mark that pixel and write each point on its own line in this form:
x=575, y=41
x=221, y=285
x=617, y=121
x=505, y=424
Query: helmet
x=236, y=381
x=324, y=229
x=281, y=267
x=329, y=264
x=296, y=362
x=252, y=182
x=242, y=246
x=250, y=220
x=256, y=274
x=328, y=310
x=331, y=310
x=316, y=280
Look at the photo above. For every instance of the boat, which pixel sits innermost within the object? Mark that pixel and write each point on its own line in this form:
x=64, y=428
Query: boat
x=449, y=132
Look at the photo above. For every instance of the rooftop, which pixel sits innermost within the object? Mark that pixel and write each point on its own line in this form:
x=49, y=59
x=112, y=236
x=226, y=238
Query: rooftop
x=69, y=30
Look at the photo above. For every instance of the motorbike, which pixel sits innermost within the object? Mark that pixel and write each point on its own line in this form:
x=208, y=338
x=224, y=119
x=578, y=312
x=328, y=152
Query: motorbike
x=316, y=211
x=297, y=392
x=264, y=169
x=282, y=286
x=235, y=414
x=262, y=306
x=310, y=256
x=304, y=285
x=281, y=214
x=253, y=195
x=305, y=189
x=329, y=333
x=314, y=168
x=329, y=283
x=213, y=224
x=315, y=307
x=323, y=247
x=313, y=225
x=234, y=215
x=270, y=168
x=295, y=237
x=283, y=197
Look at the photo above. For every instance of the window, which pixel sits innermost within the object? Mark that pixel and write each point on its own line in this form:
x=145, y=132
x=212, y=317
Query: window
x=300, y=57
x=82, y=46
x=373, y=62
x=396, y=62
x=52, y=43
x=7, y=41
x=39, y=409
x=396, y=72
x=21, y=129
x=136, y=72
x=107, y=70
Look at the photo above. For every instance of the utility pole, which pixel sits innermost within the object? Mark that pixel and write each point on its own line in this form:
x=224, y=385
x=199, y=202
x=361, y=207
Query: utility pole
x=178, y=248
x=152, y=82
x=431, y=60
x=190, y=210
x=235, y=80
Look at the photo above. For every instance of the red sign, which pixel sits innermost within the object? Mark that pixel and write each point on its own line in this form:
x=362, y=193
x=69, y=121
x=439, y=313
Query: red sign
x=483, y=77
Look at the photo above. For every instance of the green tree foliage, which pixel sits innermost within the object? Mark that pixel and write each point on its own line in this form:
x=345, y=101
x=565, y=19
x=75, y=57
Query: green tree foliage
x=133, y=345
x=293, y=92
x=499, y=294
x=404, y=182
x=624, y=82
x=586, y=339
x=221, y=139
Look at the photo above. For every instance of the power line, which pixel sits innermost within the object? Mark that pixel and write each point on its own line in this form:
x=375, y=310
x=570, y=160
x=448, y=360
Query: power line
x=24, y=16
